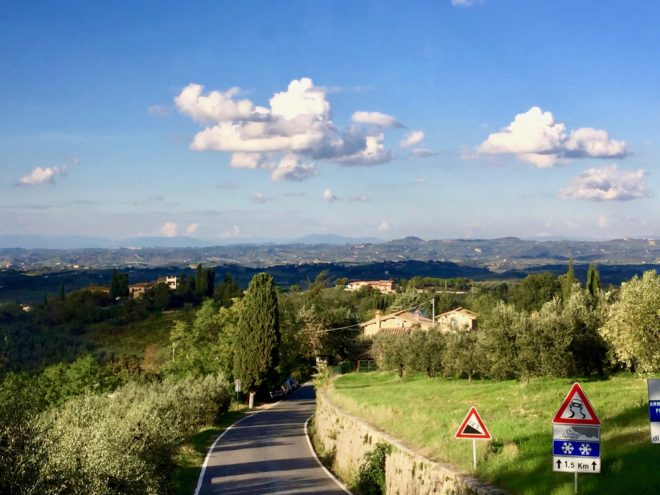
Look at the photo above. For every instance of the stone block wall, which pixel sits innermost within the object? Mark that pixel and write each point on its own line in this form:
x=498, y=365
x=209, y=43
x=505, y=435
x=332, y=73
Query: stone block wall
x=347, y=439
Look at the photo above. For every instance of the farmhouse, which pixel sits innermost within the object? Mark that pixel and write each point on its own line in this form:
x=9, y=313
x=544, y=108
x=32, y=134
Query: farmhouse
x=384, y=286
x=398, y=322
x=457, y=319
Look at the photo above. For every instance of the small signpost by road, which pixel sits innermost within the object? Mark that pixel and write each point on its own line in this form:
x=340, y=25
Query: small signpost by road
x=654, y=408
x=473, y=428
x=237, y=388
x=576, y=436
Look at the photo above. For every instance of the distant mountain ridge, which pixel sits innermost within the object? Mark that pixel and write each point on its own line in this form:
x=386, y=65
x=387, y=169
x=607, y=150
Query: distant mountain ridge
x=497, y=254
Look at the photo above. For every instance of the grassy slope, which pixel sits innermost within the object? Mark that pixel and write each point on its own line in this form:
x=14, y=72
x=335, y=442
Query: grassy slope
x=133, y=338
x=425, y=413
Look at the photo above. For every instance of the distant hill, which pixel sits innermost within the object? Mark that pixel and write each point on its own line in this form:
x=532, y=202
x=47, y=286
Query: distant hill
x=498, y=255
x=334, y=239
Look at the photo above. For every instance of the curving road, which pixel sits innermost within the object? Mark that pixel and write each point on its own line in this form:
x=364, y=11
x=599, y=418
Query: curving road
x=268, y=452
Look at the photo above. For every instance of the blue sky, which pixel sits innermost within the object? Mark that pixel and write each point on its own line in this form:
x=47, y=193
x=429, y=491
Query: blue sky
x=235, y=120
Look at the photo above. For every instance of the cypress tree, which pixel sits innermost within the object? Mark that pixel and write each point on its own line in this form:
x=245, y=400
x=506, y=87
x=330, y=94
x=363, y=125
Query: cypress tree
x=593, y=280
x=200, y=280
x=114, y=285
x=210, y=282
x=567, y=281
x=258, y=334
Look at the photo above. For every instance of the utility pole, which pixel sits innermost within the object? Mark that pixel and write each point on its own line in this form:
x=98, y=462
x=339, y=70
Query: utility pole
x=433, y=309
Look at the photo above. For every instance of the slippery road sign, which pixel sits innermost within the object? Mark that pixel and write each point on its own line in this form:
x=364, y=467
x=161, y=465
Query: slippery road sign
x=576, y=409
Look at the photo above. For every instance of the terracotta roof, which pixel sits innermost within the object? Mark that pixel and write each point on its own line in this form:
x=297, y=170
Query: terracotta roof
x=394, y=331
x=463, y=311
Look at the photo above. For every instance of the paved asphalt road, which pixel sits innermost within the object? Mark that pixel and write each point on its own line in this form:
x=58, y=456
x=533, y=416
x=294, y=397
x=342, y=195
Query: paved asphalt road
x=267, y=452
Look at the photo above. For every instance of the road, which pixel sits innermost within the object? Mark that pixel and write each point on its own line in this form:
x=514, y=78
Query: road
x=268, y=452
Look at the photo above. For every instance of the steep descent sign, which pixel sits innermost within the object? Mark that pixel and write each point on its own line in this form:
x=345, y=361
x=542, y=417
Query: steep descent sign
x=576, y=409
x=473, y=427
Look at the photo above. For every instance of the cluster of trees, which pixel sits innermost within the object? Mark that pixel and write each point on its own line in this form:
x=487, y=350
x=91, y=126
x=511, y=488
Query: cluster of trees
x=124, y=442
x=549, y=327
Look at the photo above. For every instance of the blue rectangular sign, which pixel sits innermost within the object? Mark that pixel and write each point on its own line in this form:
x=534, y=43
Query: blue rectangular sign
x=575, y=449
x=654, y=410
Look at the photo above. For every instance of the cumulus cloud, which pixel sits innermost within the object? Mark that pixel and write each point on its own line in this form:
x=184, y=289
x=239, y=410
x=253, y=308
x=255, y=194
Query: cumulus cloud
x=374, y=153
x=375, y=118
x=169, y=229
x=295, y=128
x=41, y=175
x=192, y=228
x=607, y=183
x=329, y=196
x=535, y=137
x=412, y=139
x=383, y=227
x=290, y=168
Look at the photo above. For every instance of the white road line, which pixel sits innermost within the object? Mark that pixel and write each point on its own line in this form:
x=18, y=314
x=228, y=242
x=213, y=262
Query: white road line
x=326, y=470
x=208, y=454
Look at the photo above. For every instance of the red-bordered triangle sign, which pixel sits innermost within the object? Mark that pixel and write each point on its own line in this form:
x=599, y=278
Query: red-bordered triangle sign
x=576, y=409
x=473, y=427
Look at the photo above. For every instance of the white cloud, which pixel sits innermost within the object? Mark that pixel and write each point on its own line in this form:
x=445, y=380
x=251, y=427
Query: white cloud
x=300, y=98
x=596, y=143
x=465, y=3
x=603, y=222
x=375, y=118
x=241, y=159
x=359, y=198
x=192, y=229
x=169, y=229
x=215, y=107
x=259, y=198
x=535, y=137
x=296, y=127
x=329, y=196
x=421, y=180
x=41, y=175
x=607, y=183
x=374, y=153
x=422, y=153
x=233, y=232
x=412, y=139
x=383, y=227
x=290, y=168
x=158, y=110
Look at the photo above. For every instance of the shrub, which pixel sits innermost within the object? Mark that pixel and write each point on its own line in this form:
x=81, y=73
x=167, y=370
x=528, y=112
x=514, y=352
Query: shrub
x=371, y=476
x=124, y=442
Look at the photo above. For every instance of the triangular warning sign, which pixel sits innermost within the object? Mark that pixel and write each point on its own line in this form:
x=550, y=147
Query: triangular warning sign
x=576, y=409
x=473, y=427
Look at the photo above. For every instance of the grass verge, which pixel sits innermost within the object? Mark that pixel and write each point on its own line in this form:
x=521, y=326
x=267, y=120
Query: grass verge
x=425, y=413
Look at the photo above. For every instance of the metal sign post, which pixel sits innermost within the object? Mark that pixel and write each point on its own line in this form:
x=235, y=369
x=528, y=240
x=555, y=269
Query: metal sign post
x=576, y=436
x=654, y=408
x=237, y=388
x=473, y=428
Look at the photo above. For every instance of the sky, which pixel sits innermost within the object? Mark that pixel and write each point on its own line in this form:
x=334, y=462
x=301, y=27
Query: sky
x=229, y=121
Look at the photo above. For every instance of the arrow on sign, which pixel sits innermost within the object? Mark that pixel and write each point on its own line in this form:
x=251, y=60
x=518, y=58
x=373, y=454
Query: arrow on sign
x=593, y=464
x=559, y=464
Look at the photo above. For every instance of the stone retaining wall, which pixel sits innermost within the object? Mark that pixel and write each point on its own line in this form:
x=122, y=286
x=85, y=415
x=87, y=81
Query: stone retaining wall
x=348, y=438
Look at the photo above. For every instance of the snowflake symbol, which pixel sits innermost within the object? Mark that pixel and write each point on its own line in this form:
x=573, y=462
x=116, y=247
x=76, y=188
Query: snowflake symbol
x=585, y=449
x=567, y=448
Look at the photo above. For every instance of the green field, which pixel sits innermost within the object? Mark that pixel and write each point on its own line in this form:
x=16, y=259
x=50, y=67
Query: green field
x=425, y=414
